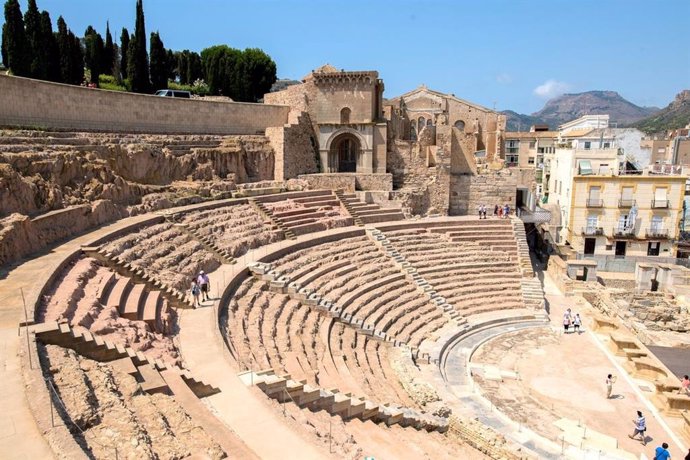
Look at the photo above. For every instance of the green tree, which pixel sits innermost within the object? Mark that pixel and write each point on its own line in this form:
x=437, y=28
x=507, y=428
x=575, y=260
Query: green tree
x=219, y=65
x=108, y=52
x=258, y=74
x=124, y=48
x=15, y=44
x=137, y=60
x=52, y=49
x=93, y=53
x=77, y=60
x=64, y=51
x=37, y=49
x=5, y=58
x=171, y=65
x=159, y=67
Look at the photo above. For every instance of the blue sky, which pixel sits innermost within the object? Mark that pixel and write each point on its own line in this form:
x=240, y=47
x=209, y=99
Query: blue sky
x=508, y=54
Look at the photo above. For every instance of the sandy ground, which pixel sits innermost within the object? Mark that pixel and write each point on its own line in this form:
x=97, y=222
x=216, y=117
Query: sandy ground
x=563, y=375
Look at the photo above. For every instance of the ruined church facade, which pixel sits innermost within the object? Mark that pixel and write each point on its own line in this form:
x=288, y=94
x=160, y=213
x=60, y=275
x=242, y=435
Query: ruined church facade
x=433, y=152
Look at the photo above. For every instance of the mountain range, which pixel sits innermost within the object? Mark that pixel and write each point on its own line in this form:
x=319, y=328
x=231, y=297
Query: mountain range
x=568, y=107
x=673, y=116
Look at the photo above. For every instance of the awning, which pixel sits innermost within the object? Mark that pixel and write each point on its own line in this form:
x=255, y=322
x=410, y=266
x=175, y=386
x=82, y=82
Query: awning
x=585, y=168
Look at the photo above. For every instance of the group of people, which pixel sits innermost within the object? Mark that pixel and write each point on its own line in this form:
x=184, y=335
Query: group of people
x=571, y=320
x=199, y=288
x=502, y=212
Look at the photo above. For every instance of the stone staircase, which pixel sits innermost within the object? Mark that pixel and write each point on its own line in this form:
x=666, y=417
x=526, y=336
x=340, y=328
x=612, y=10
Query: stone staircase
x=347, y=204
x=523, y=248
x=532, y=293
x=176, y=298
x=147, y=371
x=284, y=284
x=381, y=241
x=284, y=389
x=364, y=213
x=268, y=214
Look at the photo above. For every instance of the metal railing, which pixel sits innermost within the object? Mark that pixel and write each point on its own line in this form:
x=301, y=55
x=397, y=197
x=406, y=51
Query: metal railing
x=595, y=203
x=660, y=204
x=626, y=203
x=592, y=231
x=622, y=232
x=657, y=232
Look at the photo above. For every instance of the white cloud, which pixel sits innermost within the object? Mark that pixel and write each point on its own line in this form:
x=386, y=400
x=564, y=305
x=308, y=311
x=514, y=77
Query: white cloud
x=504, y=78
x=551, y=88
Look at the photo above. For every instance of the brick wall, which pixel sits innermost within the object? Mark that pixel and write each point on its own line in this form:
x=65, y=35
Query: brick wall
x=295, y=147
x=40, y=104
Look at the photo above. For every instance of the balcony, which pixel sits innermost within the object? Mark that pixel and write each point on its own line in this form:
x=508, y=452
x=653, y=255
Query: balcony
x=660, y=204
x=657, y=233
x=626, y=203
x=592, y=231
x=622, y=232
x=595, y=203
x=538, y=176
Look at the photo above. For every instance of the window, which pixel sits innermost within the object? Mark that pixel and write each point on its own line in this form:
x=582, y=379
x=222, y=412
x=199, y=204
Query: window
x=532, y=145
x=460, y=125
x=653, y=248
x=623, y=222
x=429, y=122
x=657, y=224
x=588, y=145
x=592, y=221
x=345, y=116
x=420, y=123
x=604, y=169
x=607, y=145
x=530, y=160
x=660, y=198
x=512, y=146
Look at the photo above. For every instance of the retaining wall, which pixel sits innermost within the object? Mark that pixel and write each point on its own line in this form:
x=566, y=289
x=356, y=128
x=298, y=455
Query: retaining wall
x=39, y=104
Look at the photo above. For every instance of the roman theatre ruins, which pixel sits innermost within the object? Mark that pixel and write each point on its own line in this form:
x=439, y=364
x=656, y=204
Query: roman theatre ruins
x=358, y=308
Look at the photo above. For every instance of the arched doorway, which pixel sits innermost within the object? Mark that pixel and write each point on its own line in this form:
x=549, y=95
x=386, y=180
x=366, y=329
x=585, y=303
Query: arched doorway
x=345, y=150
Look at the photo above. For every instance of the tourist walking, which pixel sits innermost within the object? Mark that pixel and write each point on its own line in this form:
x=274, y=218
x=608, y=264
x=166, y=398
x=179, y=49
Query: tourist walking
x=203, y=281
x=684, y=386
x=496, y=211
x=500, y=212
x=484, y=211
x=567, y=320
x=640, y=428
x=196, y=291
x=506, y=211
x=610, y=380
x=479, y=210
x=577, y=322
x=661, y=452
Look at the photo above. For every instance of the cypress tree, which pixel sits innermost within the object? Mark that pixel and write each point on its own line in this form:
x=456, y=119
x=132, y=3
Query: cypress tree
x=76, y=61
x=5, y=59
x=171, y=65
x=124, y=48
x=159, y=68
x=138, y=65
x=51, y=46
x=93, y=55
x=16, y=43
x=182, y=64
x=108, y=52
x=36, y=43
x=64, y=51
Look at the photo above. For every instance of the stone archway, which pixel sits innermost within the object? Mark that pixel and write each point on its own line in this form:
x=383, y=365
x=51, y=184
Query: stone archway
x=344, y=152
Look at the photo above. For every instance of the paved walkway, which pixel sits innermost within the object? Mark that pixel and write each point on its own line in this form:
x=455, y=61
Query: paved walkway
x=20, y=437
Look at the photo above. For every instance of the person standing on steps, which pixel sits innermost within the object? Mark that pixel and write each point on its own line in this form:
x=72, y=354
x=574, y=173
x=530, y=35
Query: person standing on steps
x=684, y=386
x=567, y=319
x=496, y=211
x=196, y=291
x=479, y=211
x=640, y=428
x=203, y=281
x=662, y=453
x=610, y=380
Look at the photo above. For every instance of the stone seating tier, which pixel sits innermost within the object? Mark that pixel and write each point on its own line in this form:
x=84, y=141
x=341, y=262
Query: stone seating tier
x=165, y=252
x=271, y=330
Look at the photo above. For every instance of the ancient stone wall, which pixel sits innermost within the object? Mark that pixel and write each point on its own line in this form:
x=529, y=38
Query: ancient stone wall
x=295, y=147
x=21, y=235
x=349, y=182
x=468, y=191
x=40, y=104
